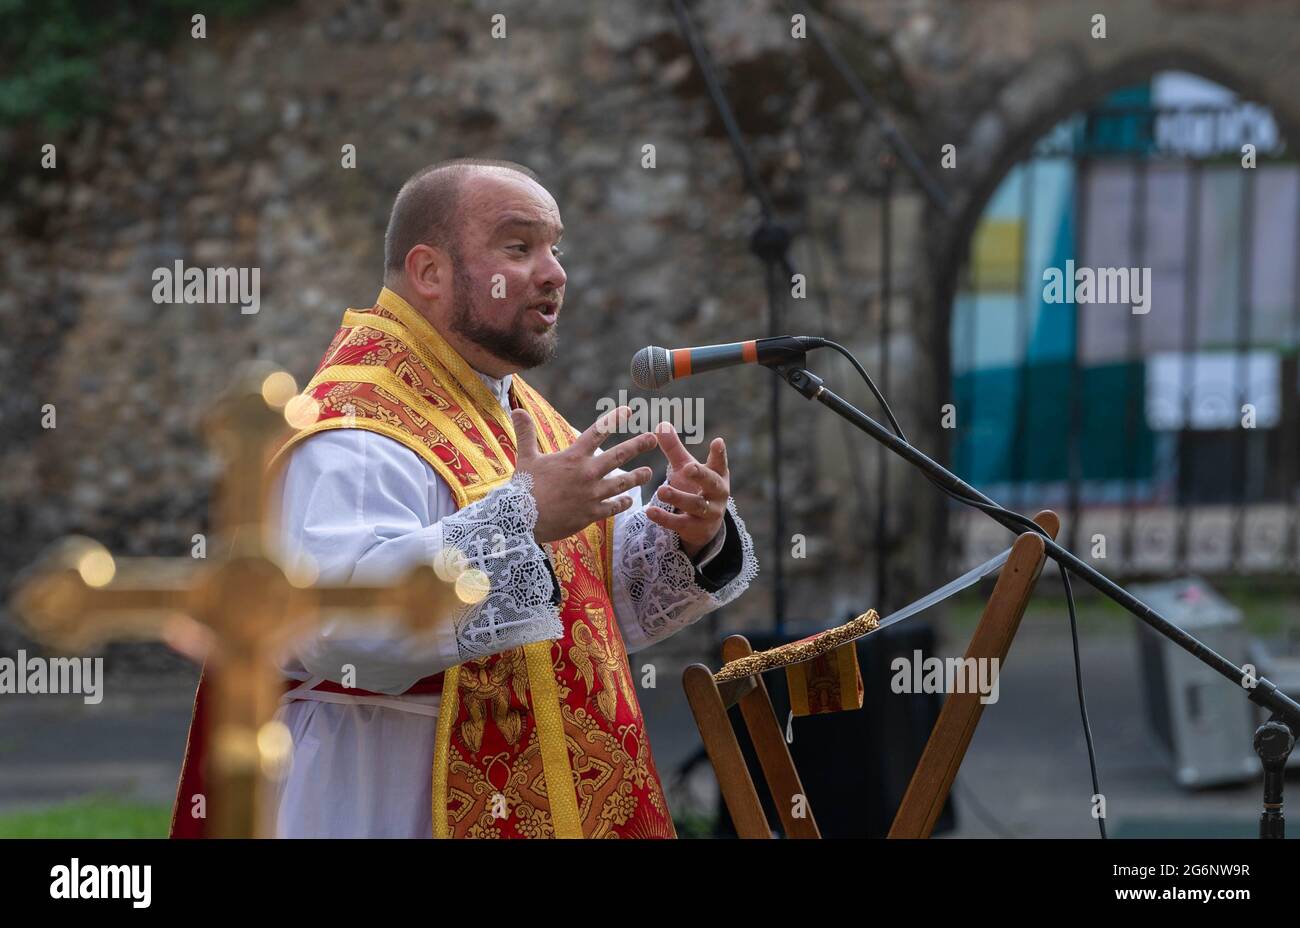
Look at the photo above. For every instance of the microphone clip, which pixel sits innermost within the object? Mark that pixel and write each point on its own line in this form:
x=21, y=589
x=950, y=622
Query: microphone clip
x=794, y=372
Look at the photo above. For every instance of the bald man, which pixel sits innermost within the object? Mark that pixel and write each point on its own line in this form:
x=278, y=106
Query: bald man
x=518, y=715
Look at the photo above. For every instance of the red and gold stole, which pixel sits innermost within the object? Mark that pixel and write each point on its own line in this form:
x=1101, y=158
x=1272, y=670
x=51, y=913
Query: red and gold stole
x=547, y=740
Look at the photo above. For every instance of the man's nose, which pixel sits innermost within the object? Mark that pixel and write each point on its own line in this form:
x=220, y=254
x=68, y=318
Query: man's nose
x=550, y=275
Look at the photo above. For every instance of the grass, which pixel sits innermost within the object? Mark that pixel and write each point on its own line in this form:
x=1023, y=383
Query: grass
x=109, y=818
x=694, y=825
x=1267, y=613
x=92, y=817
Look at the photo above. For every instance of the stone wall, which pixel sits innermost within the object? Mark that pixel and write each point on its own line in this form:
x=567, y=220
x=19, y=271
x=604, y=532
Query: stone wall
x=226, y=151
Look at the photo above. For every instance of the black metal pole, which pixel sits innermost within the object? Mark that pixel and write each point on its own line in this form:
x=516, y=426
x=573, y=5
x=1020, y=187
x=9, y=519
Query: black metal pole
x=924, y=179
x=1273, y=743
x=771, y=244
x=883, y=544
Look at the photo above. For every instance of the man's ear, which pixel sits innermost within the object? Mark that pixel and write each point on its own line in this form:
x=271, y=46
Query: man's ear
x=428, y=272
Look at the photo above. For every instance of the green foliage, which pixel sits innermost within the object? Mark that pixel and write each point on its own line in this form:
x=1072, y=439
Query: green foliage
x=89, y=818
x=50, y=49
x=692, y=824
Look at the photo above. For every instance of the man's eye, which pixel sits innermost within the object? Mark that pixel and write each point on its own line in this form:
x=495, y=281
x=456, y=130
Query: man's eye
x=521, y=246
x=555, y=250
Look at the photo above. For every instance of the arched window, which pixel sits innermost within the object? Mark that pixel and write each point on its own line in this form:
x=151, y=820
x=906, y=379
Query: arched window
x=1125, y=334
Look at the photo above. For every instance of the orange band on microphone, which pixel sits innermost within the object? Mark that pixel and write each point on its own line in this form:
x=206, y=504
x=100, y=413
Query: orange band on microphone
x=681, y=362
x=749, y=351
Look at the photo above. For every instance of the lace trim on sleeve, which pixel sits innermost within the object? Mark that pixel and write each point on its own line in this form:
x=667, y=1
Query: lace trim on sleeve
x=660, y=578
x=495, y=536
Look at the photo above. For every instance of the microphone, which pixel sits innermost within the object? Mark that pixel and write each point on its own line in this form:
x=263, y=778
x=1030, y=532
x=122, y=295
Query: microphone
x=654, y=367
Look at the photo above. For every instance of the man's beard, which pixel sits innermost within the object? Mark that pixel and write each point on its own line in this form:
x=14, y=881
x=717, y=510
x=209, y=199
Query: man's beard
x=515, y=344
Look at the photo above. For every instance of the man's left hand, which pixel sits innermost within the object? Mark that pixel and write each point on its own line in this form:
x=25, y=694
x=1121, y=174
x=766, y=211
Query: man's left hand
x=698, y=491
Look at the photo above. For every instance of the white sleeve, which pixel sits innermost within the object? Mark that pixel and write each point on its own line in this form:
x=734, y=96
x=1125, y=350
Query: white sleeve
x=655, y=587
x=366, y=509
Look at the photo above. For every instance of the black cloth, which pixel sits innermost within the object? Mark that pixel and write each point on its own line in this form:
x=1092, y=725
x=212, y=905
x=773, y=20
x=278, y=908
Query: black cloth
x=726, y=564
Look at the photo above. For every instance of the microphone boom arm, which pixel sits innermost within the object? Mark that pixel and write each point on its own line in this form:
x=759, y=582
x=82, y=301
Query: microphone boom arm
x=1261, y=692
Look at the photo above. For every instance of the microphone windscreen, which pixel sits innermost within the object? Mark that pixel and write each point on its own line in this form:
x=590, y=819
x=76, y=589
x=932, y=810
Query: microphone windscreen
x=650, y=369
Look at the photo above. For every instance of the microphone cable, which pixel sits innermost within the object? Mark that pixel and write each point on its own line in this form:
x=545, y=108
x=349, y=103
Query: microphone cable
x=1029, y=525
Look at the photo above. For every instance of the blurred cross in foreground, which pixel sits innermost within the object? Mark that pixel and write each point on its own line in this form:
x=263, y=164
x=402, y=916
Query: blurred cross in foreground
x=234, y=611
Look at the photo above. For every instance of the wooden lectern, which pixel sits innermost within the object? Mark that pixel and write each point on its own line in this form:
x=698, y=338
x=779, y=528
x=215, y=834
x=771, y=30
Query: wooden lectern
x=943, y=754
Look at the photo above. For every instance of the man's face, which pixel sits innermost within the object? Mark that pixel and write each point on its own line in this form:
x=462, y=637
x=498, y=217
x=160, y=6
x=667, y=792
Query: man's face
x=508, y=285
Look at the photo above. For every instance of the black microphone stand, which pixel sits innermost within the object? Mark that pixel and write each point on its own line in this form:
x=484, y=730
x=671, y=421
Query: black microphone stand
x=1273, y=743
x=1273, y=740
x=906, y=153
x=770, y=242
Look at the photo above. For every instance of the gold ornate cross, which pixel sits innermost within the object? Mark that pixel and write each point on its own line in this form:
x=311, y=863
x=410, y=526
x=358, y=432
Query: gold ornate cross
x=236, y=611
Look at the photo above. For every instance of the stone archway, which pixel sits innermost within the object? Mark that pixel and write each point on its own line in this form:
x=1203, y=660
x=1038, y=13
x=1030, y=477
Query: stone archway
x=1002, y=136
x=1041, y=96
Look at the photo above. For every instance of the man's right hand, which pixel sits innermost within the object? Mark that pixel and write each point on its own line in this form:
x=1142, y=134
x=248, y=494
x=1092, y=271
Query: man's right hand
x=572, y=487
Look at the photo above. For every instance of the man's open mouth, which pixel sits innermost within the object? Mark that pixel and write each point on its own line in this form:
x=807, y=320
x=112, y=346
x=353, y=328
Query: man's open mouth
x=548, y=311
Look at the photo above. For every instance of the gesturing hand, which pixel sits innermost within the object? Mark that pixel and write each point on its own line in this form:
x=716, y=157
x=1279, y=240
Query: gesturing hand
x=571, y=486
x=698, y=491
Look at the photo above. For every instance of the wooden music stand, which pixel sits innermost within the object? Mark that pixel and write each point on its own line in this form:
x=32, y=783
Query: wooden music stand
x=943, y=754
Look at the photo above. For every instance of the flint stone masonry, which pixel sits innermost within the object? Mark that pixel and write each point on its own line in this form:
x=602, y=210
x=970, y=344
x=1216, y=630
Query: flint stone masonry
x=227, y=152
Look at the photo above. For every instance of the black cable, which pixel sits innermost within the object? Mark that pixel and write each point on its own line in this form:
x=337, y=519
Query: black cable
x=981, y=812
x=926, y=182
x=889, y=413
x=1029, y=525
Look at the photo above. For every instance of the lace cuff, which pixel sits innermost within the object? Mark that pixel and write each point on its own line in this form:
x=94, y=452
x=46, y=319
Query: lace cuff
x=660, y=582
x=494, y=538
